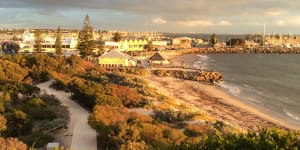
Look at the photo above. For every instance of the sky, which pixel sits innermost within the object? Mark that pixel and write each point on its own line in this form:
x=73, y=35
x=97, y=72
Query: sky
x=176, y=16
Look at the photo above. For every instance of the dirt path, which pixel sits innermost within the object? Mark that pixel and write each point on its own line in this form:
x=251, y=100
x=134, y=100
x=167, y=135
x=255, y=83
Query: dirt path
x=83, y=137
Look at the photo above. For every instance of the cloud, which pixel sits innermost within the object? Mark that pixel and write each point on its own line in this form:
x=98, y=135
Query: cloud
x=280, y=23
x=159, y=20
x=293, y=21
x=274, y=12
x=199, y=7
x=211, y=14
x=193, y=23
x=15, y=25
x=203, y=23
x=224, y=23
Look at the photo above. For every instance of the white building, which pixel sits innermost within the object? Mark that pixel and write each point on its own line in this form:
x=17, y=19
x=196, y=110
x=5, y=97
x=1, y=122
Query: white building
x=160, y=43
x=111, y=45
x=69, y=43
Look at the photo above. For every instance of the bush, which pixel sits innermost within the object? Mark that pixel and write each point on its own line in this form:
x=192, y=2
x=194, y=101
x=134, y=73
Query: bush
x=129, y=96
x=12, y=144
x=170, y=116
x=18, y=123
x=196, y=130
x=2, y=106
x=38, y=139
x=39, y=113
x=161, y=136
x=108, y=115
x=264, y=139
x=37, y=102
x=37, y=109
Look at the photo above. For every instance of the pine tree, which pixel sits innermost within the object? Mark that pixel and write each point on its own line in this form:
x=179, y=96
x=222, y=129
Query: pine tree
x=117, y=37
x=100, y=46
x=213, y=40
x=86, y=42
x=58, y=44
x=38, y=41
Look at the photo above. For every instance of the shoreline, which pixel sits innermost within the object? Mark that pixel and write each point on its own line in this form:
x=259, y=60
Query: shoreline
x=216, y=103
x=216, y=92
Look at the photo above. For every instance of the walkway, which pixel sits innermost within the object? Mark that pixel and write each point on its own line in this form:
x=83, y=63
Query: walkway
x=84, y=137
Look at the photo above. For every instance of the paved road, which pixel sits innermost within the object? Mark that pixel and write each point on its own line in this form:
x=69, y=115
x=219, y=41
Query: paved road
x=84, y=137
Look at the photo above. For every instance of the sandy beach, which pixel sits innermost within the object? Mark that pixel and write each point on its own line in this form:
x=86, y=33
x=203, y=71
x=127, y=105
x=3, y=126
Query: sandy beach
x=216, y=103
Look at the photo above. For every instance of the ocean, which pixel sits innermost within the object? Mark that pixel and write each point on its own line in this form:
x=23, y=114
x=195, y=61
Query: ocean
x=268, y=82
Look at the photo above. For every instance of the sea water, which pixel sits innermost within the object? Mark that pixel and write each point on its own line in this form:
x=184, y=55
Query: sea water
x=269, y=82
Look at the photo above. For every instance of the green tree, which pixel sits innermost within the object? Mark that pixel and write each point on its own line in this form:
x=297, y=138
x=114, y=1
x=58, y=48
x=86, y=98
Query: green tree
x=19, y=123
x=38, y=41
x=86, y=43
x=58, y=44
x=117, y=37
x=248, y=37
x=100, y=46
x=15, y=47
x=150, y=46
x=213, y=39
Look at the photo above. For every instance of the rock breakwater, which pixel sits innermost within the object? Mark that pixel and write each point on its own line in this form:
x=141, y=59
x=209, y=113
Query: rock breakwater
x=210, y=77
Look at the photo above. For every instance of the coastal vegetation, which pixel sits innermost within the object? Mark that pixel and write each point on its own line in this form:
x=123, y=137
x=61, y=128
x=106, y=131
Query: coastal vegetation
x=12, y=143
x=25, y=113
x=111, y=96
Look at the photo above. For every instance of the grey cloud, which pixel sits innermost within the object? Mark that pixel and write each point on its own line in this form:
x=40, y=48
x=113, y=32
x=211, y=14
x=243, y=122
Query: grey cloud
x=186, y=7
x=172, y=12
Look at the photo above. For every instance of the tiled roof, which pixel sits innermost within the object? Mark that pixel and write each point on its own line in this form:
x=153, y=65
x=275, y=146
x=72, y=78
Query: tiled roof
x=157, y=57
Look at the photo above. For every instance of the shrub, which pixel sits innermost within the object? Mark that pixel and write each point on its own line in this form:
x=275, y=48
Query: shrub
x=37, y=102
x=170, y=116
x=198, y=130
x=2, y=106
x=37, y=140
x=12, y=144
x=3, y=122
x=161, y=136
x=129, y=96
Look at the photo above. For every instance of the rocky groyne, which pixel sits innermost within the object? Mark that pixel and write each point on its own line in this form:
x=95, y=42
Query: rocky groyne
x=203, y=76
x=241, y=50
x=232, y=50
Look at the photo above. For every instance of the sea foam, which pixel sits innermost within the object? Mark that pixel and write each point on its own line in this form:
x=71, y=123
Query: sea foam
x=233, y=89
x=291, y=115
x=202, y=62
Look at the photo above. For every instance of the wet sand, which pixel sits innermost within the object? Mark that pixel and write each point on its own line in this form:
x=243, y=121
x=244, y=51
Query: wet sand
x=216, y=103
